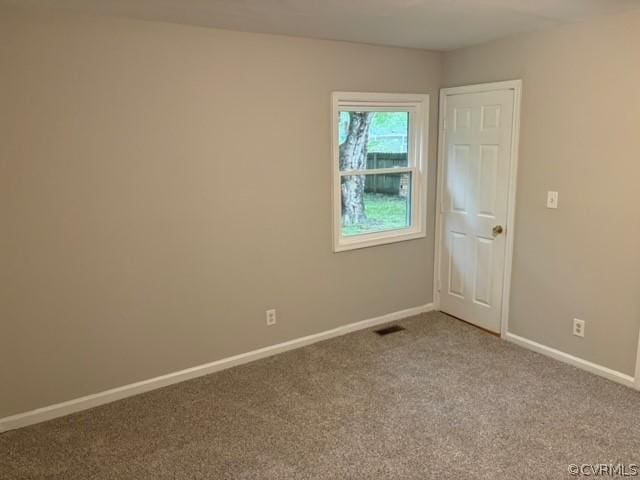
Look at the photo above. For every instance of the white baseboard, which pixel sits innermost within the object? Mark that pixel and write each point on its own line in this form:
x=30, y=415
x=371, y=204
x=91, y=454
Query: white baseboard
x=638, y=365
x=96, y=399
x=605, y=372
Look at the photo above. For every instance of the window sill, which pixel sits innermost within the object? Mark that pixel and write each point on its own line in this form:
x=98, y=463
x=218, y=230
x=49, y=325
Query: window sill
x=344, y=244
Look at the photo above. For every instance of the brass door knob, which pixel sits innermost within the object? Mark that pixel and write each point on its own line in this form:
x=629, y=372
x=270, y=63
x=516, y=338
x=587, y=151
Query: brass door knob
x=497, y=230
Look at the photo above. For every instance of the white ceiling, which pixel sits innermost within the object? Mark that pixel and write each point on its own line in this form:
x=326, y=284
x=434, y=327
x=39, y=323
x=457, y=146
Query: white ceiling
x=431, y=24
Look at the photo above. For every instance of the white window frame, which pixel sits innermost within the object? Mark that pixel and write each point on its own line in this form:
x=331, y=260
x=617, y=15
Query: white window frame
x=417, y=105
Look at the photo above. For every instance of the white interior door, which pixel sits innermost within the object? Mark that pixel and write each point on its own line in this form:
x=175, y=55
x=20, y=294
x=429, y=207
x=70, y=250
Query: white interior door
x=474, y=198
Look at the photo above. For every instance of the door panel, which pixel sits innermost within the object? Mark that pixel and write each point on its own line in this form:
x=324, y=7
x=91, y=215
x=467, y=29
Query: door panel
x=458, y=253
x=458, y=189
x=483, y=267
x=487, y=180
x=474, y=201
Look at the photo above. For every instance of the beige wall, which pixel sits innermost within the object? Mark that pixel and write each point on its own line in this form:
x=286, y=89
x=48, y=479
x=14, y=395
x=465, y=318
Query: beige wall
x=580, y=125
x=162, y=185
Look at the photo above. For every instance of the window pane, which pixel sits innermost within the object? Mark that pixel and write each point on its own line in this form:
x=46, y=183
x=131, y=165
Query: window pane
x=375, y=203
x=373, y=140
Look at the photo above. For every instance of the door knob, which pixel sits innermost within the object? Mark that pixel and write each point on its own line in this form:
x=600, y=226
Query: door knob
x=497, y=230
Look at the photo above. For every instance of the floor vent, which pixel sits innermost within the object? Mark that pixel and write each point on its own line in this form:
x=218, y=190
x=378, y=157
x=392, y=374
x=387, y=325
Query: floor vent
x=388, y=330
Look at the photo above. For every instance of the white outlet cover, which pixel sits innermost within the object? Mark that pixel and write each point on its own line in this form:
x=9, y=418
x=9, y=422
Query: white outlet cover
x=271, y=317
x=552, y=199
x=578, y=327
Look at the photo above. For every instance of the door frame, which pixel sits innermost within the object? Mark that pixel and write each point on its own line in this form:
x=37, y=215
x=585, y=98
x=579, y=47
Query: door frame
x=516, y=86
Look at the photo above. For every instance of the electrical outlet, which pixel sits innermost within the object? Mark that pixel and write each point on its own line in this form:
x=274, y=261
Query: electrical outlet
x=578, y=327
x=271, y=317
x=552, y=199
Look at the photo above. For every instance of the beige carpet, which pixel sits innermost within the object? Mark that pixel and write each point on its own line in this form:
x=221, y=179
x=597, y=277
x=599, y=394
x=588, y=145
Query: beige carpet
x=439, y=400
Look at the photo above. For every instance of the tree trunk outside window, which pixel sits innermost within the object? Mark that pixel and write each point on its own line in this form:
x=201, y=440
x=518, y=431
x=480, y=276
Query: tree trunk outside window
x=353, y=156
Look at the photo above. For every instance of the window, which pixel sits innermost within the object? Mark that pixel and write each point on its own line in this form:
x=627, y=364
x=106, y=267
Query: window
x=380, y=144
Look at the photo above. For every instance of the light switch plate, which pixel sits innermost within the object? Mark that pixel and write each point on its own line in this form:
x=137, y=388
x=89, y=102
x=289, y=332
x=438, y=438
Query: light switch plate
x=552, y=199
